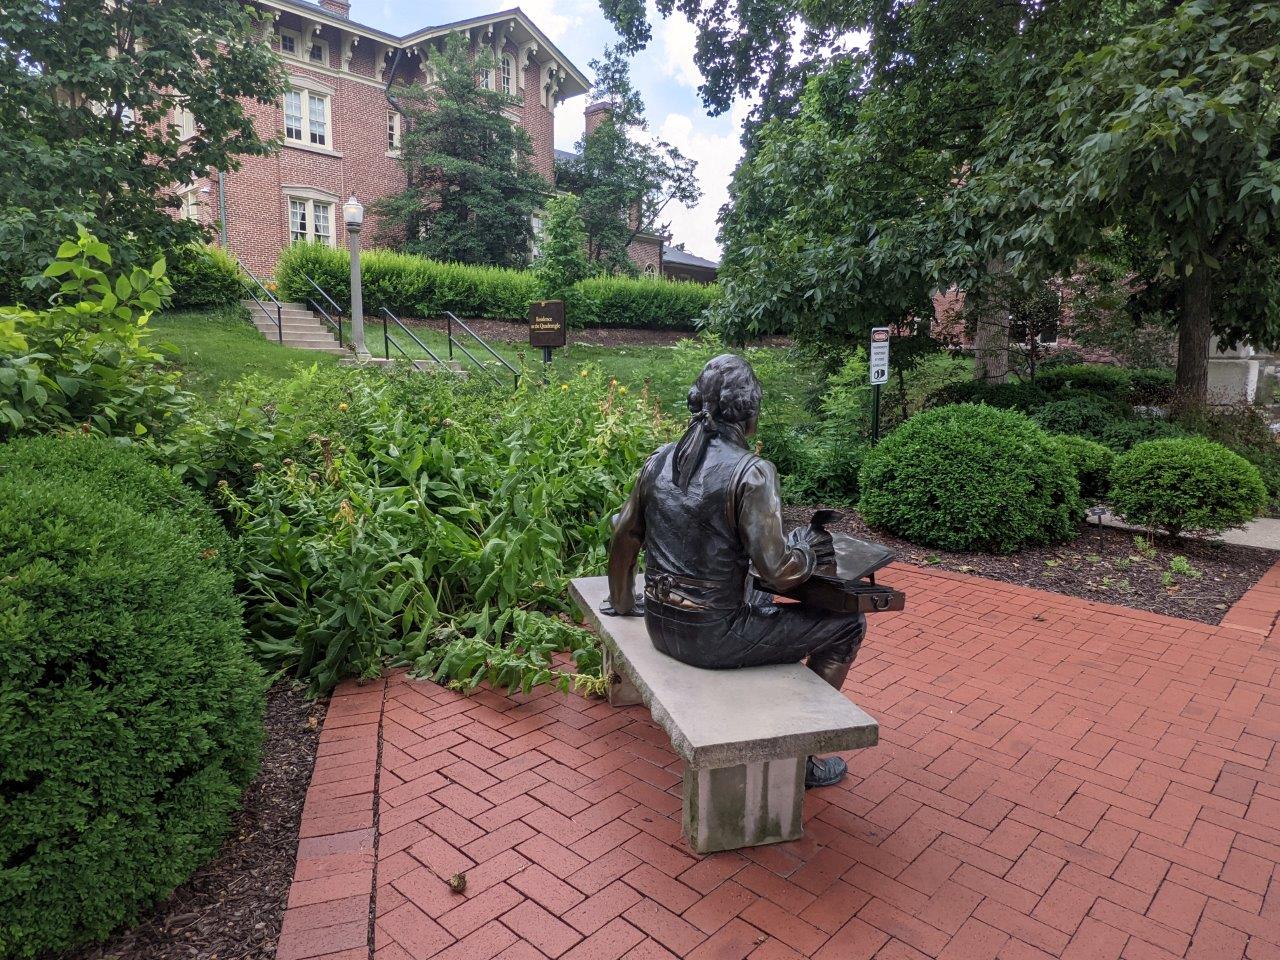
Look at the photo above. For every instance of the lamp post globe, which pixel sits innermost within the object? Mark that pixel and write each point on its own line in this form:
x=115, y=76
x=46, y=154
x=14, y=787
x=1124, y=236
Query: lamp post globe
x=353, y=215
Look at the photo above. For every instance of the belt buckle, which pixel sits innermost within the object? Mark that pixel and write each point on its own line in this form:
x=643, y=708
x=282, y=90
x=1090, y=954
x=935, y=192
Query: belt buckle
x=662, y=585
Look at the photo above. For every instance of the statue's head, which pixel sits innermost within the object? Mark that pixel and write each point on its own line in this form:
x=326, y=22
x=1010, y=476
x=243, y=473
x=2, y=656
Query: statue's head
x=727, y=389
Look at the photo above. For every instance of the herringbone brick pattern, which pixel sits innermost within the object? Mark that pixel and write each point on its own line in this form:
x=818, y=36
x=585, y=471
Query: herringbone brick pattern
x=1055, y=778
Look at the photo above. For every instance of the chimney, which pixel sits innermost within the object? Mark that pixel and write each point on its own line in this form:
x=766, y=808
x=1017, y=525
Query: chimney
x=596, y=114
x=339, y=8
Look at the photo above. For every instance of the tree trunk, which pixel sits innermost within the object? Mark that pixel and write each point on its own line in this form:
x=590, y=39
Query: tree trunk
x=1194, y=326
x=991, y=332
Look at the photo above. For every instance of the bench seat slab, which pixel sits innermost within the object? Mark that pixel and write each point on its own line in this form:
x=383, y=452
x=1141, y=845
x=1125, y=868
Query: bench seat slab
x=726, y=808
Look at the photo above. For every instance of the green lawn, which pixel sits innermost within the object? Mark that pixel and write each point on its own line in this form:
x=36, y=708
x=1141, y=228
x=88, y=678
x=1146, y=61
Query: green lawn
x=216, y=349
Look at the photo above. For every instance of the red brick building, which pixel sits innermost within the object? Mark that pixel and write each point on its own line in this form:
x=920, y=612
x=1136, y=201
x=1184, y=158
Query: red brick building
x=339, y=126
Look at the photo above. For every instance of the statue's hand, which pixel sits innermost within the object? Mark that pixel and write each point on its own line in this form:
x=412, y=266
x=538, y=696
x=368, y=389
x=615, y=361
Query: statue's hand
x=608, y=609
x=819, y=541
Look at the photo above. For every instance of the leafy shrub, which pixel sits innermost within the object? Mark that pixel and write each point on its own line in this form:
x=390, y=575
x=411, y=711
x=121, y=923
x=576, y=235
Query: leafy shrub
x=1014, y=395
x=1092, y=465
x=1084, y=414
x=430, y=521
x=412, y=286
x=204, y=276
x=132, y=714
x=1151, y=387
x=648, y=303
x=1186, y=484
x=1243, y=430
x=969, y=477
x=84, y=361
x=1105, y=380
x=1120, y=435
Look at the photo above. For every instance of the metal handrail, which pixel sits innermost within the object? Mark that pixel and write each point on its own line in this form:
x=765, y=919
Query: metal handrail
x=320, y=290
x=388, y=342
x=333, y=324
x=279, y=317
x=451, y=319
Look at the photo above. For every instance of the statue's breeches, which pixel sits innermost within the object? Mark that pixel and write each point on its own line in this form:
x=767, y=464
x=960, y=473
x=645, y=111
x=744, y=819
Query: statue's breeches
x=758, y=633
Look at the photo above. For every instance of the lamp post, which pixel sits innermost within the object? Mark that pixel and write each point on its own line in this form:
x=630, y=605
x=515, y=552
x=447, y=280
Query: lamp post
x=353, y=214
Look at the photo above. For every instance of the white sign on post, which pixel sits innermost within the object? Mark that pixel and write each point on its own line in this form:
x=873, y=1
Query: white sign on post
x=879, y=355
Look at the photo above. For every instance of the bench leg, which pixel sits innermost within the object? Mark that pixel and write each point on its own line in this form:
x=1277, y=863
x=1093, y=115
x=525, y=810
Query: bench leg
x=622, y=692
x=743, y=806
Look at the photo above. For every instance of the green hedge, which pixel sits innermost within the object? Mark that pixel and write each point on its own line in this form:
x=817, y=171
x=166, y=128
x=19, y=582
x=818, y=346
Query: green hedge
x=130, y=710
x=203, y=277
x=970, y=477
x=412, y=286
x=1092, y=463
x=1186, y=484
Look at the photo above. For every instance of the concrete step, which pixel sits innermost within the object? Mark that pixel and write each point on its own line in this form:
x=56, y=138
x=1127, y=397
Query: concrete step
x=270, y=329
x=310, y=343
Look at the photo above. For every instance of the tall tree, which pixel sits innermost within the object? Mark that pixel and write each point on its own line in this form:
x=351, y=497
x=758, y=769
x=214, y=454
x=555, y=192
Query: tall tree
x=1169, y=133
x=88, y=129
x=471, y=190
x=625, y=179
x=562, y=254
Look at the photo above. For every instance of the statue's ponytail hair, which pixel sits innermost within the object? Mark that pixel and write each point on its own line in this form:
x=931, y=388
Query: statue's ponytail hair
x=726, y=391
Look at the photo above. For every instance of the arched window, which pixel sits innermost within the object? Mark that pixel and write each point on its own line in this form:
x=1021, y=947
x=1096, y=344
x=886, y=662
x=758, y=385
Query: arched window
x=650, y=270
x=508, y=68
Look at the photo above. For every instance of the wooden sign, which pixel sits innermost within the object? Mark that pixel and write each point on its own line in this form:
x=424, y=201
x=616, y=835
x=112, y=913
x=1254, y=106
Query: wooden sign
x=546, y=323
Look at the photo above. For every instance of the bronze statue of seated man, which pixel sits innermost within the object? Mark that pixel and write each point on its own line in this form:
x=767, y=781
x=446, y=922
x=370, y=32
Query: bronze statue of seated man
x=707, y=513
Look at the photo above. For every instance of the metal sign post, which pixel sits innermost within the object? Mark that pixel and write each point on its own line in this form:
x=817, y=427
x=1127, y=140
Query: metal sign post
x=879, y=374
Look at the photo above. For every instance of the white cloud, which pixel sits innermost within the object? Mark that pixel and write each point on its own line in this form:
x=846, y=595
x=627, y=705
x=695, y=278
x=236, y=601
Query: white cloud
x=556, y=18
x=717, y=155
x=677, y=39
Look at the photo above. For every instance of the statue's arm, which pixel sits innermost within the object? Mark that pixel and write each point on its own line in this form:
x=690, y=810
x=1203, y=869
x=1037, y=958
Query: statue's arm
x=624, y=548
x=779, y=564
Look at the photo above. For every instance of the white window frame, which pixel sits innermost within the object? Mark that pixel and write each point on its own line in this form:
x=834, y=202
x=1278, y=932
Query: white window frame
x=650, y=270
x=306, y=93
x=394, y=129
x=312, y=43
x=191, y=203
x=508, y=74
x=185, y=121
x=486, y=78
x=535, y=235
x=308, y=202
x=296, y=37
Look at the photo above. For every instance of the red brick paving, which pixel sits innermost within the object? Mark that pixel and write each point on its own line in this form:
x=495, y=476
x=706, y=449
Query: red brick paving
x=1055, y=778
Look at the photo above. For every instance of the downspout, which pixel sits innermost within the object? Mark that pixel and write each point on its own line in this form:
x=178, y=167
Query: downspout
x=222, y=208
x=391, y=76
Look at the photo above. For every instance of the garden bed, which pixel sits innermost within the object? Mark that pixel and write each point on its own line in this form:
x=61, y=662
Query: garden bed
x=233, y=906
x=1107, y=565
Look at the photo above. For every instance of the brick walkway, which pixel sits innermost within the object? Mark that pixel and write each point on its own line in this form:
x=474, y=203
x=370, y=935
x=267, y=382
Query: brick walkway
x=1055, y=778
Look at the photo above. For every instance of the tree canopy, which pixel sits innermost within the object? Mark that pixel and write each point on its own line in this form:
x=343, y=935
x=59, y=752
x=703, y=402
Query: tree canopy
x=625, y=179
x=470, y=187
x=88, y=118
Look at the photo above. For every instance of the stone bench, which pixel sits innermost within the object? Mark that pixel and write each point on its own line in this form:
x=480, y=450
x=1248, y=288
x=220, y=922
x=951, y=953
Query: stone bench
x=743, y=734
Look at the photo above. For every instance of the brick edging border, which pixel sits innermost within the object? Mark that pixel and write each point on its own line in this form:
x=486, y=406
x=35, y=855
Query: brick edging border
x=330, y=907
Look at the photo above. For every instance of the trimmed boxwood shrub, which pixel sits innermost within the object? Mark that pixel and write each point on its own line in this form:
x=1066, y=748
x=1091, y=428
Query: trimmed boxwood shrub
x=1151, y=387
x=1186, y=485
x=413, y=286
x=130, y=710
x=1092, y=464
x=1013, y=395
x=970, y=477
x=204, y=276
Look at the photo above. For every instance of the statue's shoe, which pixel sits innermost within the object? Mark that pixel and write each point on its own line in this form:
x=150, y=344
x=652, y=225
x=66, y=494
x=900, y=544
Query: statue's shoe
x=824, y=771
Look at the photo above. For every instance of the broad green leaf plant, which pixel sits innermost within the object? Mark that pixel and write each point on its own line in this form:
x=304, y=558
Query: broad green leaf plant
x=86, y=361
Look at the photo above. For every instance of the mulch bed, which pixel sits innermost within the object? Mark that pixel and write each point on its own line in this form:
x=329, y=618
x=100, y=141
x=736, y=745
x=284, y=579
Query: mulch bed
x=233, y=907
x=1110, y=566
x=506, y=331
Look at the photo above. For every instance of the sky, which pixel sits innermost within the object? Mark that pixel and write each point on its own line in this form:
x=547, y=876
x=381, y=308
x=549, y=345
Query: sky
x=664, y=73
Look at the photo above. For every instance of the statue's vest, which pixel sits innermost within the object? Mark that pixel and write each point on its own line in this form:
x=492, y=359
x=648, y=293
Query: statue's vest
x=691, y=535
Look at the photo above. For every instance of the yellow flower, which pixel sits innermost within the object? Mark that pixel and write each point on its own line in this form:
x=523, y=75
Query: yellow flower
x=564, y=386
x=342, y=407
x=622, y=389
x=583, y=374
